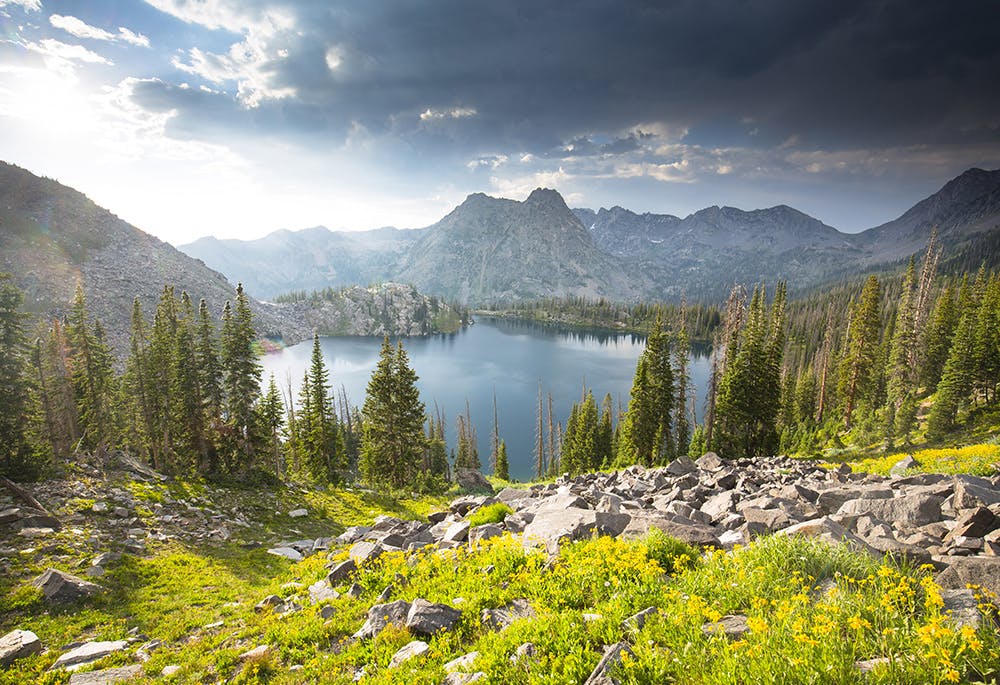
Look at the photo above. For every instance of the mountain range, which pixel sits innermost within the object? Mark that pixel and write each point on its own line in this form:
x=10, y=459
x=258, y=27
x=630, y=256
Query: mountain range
x=490, y=250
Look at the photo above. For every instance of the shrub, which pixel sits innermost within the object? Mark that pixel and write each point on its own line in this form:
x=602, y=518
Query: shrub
x=491, y=513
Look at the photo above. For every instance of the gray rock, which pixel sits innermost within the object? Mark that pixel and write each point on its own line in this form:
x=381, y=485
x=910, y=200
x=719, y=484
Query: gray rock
x=472, y=480
x=681, y=466
x=636, y=622
x=364, y=552
x=869, y=665
x=962, y=571
x=971, y=492
x=962, y=607
x=18, y=644
x=412, y=650
x=974, y=523
x=501, y=618
x=732, y=626
x=289, y=553
x=709, y=461
x=427, y=618
x=109, y=676
x=484, y=532
x=602, y=673
x=675, y=526
x=60, y=587
x=298, y=513
x=718, y=505
x=382, y=615
x=88, y=653
x=829, y=531
x=464, y=678
x=903, y=465
x=462, y=663
x=913, y=510
x=457, y=532
x=341, y=572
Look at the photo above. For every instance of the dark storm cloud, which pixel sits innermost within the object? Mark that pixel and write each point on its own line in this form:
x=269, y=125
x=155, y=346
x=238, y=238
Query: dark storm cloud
x=537, y=76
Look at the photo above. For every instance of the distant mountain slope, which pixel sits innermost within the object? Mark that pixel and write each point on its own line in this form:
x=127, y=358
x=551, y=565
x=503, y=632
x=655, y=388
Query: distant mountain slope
x=966, y=206
x=310, y=259
x=490, y=249
x=52, y=236
x=704, y=254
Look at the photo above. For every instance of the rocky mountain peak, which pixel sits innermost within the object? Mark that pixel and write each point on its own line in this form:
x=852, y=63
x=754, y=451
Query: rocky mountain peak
x=546, y=197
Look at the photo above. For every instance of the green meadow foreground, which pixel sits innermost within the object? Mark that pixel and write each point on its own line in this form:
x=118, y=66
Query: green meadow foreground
x=201, y=600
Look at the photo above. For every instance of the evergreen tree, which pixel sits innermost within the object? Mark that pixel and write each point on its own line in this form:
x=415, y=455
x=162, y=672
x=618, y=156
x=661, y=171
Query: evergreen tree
x=206, y=360
x=937, y=338
x=956, y=380
x=901, y=387
x=861, y=350
x=272, y=419
x=502, y=470
x=647, y=429
x=136, y=385
x=467, y=456
x=92, y=376
x=241, y=374
x=16, y=455
x=321, y=444
x=698, y=444
x=392, y=444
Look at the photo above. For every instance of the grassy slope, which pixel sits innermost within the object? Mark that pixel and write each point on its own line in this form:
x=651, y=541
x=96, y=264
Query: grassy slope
x=199, y=600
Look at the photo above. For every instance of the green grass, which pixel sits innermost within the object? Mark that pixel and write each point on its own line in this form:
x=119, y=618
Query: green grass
x=491, y=513
x=798, y=634
x=978, y=460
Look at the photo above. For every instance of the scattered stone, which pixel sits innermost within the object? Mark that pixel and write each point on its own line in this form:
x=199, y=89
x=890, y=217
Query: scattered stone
x=963, y=571
x=733, y=626
x=327, y=612
x=411, y=650
x=286, y=552
x=524, y=651
x=601, y=675
x=60, y=587
x=381, y=615
x=500, y=619
x=829, y=531
x=170, y=670
x=365, y=551
x=18, y=644
x=109, y=676
x=298, y=513
x=427, y=618
x=464, y=678
x=472, y=480
x=320, y=591
x=88, y=653
x=258, y=653
x=962, y=607
x=355, y=591
x=341, y=572
x=636, y=622
x=270, y=602
x=462, y=663
x=457, y=532
x=869, y=665
x=903, y=465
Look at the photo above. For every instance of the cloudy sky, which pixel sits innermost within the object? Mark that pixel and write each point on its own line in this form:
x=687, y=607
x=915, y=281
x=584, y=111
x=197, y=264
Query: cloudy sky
x=239, y=117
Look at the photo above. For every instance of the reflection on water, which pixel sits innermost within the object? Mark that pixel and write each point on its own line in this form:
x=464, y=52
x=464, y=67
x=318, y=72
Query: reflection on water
x=511, y=358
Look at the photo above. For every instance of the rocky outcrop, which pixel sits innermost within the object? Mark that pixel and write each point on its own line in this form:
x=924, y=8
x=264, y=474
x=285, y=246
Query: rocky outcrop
x=18, y=644
x=60, y=587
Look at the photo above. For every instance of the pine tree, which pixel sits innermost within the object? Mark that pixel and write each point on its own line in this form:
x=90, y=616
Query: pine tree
x=15, y=451
x=502, y=470
x=393, y=437
x=937, y=338
x=136, y=385
x=92, y=376
x=468, y=442
x=901, y=387
x=207, y=362
x=647, y=430
x=682, y=351
x=861, y=350
x=241, y=374
x=321, y=444
x=956, y=380
x=272, y=419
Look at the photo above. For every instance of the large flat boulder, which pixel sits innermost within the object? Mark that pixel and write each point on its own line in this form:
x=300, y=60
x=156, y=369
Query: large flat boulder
x=962, y=571
x=18, y=644
x=60, y=587
x=428, y=618
x=830, y=532
x=911, y=510
x=88, y=653
x=381, y=615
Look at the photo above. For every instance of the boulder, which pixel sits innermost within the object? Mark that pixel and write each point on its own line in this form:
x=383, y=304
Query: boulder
x=484, y=532
x=59, y=587
x=289, y=553
x=913, y=510
x=962, y=571
x=109, y=676
x=829, y=531
x=464, y=678
x=18, y=644
x=88, y=653
x=974, y=523
x=962, y=607
x=732, y=626
x=298, y=513
x=501, y=618
x=709, y=461
x=462, y=663
x=637, y=621
x=412, y=650
x=427, y=618
x=341, y=572
x=365, y=551
x=972, y=492
x=472, y=480
x=601, y=675
x=903, y=465
x=457, y=532
x=678, y=527
x=381, y=615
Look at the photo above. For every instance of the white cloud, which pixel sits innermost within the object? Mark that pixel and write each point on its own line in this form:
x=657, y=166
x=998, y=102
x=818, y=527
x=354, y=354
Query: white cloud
x=27, y=5
x=81, y=29
x=521, y=186
x=334, y=58
x=133, y=38
x=491, y=161
x=244, y=64
x=674, y=172
x=454, y=113
x=62, y=58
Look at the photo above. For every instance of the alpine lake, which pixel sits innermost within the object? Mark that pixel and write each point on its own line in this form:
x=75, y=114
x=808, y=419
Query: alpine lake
x=509, y=358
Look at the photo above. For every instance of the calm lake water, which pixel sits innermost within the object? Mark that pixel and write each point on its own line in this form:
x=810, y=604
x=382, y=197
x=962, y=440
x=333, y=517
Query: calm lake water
x=511, y=358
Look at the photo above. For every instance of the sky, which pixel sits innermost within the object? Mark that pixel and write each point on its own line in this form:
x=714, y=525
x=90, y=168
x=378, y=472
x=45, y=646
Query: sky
x=235, y=118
